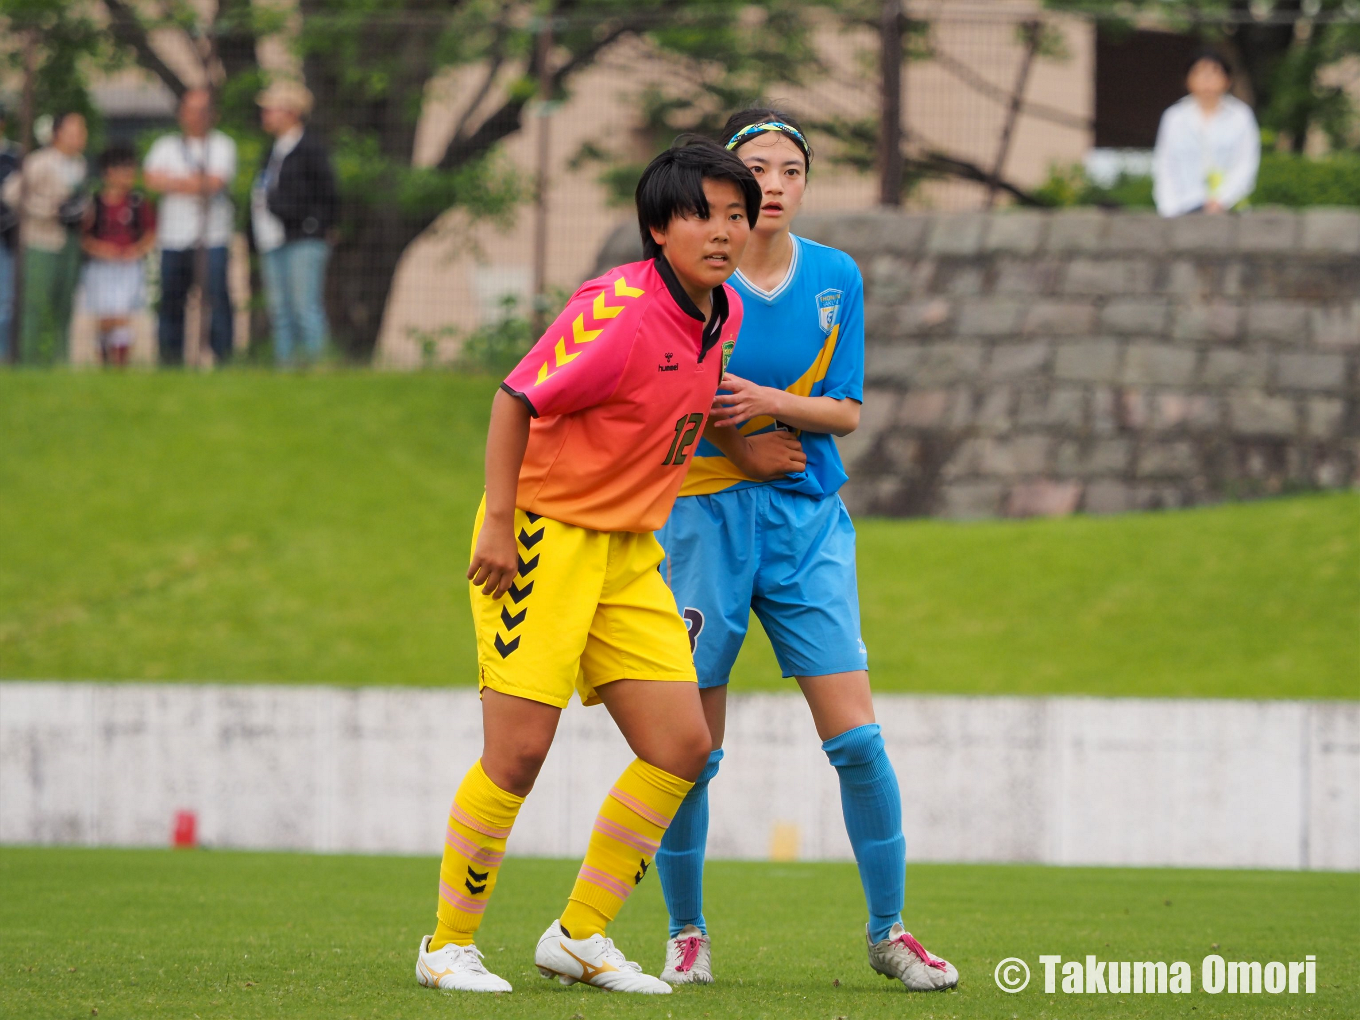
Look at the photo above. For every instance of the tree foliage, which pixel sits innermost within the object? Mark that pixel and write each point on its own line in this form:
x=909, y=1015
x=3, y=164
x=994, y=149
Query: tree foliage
x=374, y=65
x=1283, y=46
x=67, y=43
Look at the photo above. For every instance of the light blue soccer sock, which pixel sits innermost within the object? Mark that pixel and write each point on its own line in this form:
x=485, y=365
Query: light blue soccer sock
x=872, y=805
x=680, y=859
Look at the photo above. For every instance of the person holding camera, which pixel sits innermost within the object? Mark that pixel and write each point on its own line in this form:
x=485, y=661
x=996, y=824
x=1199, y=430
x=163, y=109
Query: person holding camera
x=48, y=192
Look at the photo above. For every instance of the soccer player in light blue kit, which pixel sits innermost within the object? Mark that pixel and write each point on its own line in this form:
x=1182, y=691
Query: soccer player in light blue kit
x=786, y=549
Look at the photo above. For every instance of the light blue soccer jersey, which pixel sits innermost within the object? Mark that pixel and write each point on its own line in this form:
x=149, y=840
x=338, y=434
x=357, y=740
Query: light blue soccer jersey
x=807, y=337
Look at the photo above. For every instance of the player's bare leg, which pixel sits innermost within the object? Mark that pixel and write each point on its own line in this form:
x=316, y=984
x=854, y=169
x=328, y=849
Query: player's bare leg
x=839, y=701
x=663, y=721
x=516, y=736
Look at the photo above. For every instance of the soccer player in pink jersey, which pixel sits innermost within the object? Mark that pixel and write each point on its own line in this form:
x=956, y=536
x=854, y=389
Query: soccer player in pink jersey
x=589, y=441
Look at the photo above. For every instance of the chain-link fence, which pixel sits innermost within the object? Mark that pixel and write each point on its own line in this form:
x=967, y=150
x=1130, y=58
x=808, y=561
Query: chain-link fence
x=464, y=201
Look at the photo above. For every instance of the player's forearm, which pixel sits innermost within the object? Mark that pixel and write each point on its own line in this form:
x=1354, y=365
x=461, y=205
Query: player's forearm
x=730, y=443
x=839, y=417
x=506, y=441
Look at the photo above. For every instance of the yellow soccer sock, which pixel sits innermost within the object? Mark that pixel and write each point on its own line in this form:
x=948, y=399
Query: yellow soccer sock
x=627, y=832
x=474, y=846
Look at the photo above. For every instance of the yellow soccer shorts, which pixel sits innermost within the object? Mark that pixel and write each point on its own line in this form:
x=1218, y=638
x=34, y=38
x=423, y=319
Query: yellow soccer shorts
x=586, y=608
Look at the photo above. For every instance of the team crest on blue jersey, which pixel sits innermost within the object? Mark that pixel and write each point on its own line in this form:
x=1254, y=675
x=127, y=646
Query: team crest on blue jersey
x=828, y=308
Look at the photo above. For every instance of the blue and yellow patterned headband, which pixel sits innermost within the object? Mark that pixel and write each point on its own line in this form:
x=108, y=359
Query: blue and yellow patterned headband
x=792, y=132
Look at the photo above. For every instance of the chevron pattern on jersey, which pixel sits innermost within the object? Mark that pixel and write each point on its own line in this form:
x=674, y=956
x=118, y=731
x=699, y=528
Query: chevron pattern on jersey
x=601, y=312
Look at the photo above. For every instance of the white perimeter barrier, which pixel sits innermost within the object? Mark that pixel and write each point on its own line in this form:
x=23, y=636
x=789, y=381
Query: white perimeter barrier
x=1268, y=784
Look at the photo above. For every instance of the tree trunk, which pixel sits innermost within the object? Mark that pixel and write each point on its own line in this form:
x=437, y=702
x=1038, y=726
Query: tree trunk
x=361, y=273
x=890, y=104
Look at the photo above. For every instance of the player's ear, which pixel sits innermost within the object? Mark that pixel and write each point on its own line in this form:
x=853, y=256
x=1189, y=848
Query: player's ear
x=659, y=236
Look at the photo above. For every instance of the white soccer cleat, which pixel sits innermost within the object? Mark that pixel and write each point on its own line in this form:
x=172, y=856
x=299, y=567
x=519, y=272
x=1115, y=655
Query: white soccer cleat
x=593, y=961
x=689, y=960
x=455, y=967
x=901, y=956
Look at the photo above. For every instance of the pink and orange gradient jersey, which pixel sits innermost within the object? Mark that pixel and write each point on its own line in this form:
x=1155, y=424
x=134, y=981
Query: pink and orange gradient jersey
x=620, y=387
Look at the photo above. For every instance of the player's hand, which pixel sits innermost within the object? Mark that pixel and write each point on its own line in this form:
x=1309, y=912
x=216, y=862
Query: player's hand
x=495, y=561
x=772, y=455
x=745, y=401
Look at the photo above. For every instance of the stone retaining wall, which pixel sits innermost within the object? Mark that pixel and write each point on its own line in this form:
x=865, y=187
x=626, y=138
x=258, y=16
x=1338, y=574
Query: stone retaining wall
x=1028, y=362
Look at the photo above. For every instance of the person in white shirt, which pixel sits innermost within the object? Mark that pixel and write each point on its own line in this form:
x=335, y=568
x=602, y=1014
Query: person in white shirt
x=1208, y=145
x=193, y=171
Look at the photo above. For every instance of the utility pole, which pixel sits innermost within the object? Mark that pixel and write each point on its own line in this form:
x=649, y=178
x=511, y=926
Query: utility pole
x=890, y=106
x=545, y=84
x=194, y=355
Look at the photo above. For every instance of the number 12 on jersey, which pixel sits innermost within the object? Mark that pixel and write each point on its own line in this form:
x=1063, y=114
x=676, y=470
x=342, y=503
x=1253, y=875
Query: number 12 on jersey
x=687, y=428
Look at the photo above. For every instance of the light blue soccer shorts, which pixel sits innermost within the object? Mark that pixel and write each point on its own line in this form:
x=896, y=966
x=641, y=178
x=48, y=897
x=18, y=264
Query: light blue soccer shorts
x=788, y=556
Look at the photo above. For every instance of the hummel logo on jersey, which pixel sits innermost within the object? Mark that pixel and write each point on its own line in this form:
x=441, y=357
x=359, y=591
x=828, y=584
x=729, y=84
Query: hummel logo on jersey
x=668, y=367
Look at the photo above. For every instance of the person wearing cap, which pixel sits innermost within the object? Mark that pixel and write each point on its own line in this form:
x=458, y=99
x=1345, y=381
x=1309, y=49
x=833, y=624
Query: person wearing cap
x=293, y=207
x=1208, y=145
x=193, y=171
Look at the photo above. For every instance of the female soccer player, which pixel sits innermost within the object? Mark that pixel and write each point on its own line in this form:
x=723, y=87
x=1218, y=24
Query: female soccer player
x=589, y=440
x=786, y=549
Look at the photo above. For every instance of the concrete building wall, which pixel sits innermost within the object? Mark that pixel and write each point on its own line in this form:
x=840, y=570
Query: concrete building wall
x=1054, y=780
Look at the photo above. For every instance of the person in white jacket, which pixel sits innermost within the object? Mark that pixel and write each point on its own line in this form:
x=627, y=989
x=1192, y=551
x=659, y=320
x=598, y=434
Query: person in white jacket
x=1208, y=145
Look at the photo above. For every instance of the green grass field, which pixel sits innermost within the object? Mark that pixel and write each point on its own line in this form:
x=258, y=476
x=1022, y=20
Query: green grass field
x=141, y=934
x=269, y=528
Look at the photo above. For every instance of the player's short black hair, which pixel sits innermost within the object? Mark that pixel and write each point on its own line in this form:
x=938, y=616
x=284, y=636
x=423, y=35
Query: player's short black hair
x=673, y=185
x=117, y=154
x=1214, y=57
x=752, y=115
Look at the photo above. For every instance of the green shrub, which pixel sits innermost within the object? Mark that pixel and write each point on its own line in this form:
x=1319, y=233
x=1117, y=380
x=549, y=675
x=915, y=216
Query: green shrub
x=1069, y=185
x=1285, y=179
x=1288, y=179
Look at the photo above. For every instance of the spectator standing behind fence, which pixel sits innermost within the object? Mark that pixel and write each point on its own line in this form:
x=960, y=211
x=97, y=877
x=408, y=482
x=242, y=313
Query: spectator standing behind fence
x=293, y=208
x=120, y=229
x=47, y=192
x=193, y=170
x=9, y=236
x=1208, y=145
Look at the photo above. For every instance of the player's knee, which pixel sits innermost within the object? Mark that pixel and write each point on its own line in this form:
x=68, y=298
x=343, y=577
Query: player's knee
x=691, y=751
x=515, y=768
x=857, y=746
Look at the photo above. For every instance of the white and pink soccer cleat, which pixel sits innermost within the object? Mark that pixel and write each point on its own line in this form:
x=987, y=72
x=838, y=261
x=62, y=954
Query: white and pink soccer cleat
x=689, y=959
x=901, y=956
